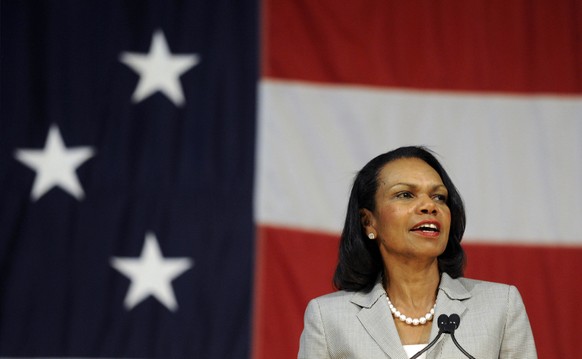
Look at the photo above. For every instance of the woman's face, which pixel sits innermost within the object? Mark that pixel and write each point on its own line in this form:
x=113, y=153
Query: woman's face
x=412, y=219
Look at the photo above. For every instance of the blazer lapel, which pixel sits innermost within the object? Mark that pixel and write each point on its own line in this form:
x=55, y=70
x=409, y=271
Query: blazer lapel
x=450, y=299
x=376, y=318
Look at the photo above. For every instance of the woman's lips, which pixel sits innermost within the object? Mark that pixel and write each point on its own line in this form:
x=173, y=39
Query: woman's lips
x=427, y=228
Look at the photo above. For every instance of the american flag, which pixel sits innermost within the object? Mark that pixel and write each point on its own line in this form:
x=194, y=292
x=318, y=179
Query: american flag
x=174, y=174
x=127, y=135
x=494, y=87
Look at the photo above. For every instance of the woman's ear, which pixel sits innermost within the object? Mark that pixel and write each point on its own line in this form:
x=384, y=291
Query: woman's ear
x=367, y=220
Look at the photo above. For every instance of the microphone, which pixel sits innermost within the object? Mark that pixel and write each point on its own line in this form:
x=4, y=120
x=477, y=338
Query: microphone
x=448, y=325
x=455, y=320
x=441, y=322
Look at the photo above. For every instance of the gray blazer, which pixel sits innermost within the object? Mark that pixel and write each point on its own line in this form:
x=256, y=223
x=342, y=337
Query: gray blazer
x=494, y=324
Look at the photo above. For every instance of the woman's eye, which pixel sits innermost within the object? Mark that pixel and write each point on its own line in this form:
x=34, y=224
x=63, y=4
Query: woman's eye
x=404, y=195
x=440, y=197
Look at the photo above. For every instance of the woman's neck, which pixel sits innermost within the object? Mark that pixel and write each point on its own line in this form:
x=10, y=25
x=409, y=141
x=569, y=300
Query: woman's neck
x=413, y=288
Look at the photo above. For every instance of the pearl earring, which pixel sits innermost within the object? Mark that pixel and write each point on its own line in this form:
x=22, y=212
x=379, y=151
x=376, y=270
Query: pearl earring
x=371, y=235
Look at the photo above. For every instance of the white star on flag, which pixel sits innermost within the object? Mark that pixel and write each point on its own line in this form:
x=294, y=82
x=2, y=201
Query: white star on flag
x=151, y=274
x=159, y=70
x=55, y=165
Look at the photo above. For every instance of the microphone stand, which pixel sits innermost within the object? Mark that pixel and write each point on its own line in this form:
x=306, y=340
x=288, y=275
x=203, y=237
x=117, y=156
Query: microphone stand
x=442, y=322
x=428, y=346
x=446, y=325
x=461, y=348
x=454, y=321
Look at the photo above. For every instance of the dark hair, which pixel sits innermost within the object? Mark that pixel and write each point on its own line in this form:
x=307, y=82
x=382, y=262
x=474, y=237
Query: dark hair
x=360, y=261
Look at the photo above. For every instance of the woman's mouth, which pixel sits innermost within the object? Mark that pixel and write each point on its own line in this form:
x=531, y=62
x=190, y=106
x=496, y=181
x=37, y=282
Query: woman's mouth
x=429, y=228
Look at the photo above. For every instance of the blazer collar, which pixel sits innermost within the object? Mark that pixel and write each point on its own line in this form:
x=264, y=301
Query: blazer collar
x=376, y=318
x=453, y=288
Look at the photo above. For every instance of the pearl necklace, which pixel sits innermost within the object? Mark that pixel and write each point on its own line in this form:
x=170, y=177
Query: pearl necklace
x=408, y=320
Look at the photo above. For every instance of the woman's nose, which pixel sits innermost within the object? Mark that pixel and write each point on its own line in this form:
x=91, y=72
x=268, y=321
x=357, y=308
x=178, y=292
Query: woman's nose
x=427, y=206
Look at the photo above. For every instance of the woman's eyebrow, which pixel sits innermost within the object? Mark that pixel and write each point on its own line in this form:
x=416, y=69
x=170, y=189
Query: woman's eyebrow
x=414, y=186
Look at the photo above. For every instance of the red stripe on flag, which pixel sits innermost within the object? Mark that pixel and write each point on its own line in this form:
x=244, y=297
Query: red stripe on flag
x=501, y=46
x=295, y=266
x=292, y=267
x=545, y=276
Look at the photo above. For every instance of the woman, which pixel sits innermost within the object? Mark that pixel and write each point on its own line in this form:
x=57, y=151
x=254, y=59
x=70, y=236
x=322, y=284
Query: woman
x=401, y=267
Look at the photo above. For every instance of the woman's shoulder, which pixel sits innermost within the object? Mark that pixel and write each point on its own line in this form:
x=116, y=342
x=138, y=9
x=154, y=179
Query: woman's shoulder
x=339, y=296
x=329, y=305
x=344, y=298
x=473, y=284
x=341, y=306
x=479, y=288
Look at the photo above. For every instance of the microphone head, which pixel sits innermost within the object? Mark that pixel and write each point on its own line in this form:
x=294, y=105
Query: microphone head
x=455, y=320
x=443, y=322
x=447, y=325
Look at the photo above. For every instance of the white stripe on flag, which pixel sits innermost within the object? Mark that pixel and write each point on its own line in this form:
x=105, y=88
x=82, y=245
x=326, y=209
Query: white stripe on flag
x=517, y=160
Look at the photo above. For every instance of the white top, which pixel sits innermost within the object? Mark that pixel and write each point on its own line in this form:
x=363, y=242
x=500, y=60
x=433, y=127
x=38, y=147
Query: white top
x=413, y=349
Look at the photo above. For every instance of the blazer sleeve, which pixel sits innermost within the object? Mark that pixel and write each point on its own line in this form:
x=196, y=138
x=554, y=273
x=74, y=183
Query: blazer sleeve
x=518, y=341
x=313, y=344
